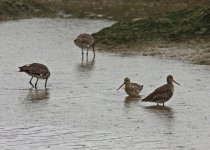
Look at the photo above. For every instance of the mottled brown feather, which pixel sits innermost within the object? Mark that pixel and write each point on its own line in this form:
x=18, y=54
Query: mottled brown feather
x=133, y=89
x=84, y=40
x=161, y=94
x=36, y=69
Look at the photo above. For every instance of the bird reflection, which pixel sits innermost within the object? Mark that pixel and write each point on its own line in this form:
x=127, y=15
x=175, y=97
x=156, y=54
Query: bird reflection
x=86, y=65
x=129, y=101
x=164, y=111
x=34, y=95
x=164, y=115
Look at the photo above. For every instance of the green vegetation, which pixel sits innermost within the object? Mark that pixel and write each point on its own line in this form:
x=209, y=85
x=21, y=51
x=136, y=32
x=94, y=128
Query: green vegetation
x=119, y=10
x=15, y=9
x=169, y=27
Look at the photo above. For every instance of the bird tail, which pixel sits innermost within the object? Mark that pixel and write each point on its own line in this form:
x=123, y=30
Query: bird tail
x=23, y=69
x=141, y=87
x=146, y=99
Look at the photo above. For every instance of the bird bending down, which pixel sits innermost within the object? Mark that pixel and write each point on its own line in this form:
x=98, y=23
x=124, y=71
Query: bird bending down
x=36, y=70
x=163, y=93
x=132, y=89
x=87, y=41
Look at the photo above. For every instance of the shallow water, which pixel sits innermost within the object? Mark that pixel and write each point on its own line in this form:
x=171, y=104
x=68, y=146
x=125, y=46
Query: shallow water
x=81, y=108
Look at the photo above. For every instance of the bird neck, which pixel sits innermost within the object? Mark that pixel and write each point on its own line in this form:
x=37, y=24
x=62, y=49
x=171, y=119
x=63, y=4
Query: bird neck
x=170, y=83
x=127, y=83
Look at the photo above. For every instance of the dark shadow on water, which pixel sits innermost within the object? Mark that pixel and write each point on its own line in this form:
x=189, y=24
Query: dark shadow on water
x=161, y=111
x=86, y=65
x=161, y=108
x=37, y=94
x=129, y=101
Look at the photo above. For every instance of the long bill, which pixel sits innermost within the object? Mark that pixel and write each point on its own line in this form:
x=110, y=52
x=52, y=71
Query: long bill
x=176, y=82
x=120, y=86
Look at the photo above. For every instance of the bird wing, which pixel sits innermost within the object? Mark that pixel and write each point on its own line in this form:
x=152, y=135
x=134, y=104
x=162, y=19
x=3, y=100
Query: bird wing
x=86, y=39
x=38, y=69
x=137, y=86
x=161, y=93
x=133, y=89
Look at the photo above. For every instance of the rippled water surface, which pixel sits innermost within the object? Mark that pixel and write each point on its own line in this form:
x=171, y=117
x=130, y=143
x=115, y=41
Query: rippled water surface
x=81, y=108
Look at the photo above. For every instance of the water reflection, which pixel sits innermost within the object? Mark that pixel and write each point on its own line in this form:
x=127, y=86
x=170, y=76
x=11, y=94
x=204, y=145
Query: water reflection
x=86, y=65
x=129, y=101
x=161, y=111
x=41, y=94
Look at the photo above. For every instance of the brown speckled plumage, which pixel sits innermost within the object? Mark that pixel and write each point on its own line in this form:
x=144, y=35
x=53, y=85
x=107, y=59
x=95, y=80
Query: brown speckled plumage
x=36, y=70
x=163, y=93
x=132, y=89
x=85, y=40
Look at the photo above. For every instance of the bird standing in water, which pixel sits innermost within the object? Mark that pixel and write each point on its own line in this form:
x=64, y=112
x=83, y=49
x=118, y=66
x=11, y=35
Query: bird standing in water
x=163, y=93
x=36, y=70
x=87, y=41
x=132, y=89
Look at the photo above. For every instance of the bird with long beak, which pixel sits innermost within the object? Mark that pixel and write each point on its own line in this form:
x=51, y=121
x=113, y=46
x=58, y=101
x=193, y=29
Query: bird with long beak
x=36, y=70
x=163, y=93
x=132, y=89
x=85, y=41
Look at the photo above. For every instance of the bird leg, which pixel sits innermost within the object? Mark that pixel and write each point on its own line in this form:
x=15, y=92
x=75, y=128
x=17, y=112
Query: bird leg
x=36, y=83
x=30, y=82
x=93, y=46
x=157, y=104
x=82, y=54
x=87, y=51
x=163, y=104
x=46, y=83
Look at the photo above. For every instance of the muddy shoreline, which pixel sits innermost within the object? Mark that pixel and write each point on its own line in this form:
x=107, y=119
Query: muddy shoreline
x=182, y=35
x=192, y=51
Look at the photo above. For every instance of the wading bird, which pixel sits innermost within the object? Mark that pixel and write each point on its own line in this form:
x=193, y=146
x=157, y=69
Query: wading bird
x=36, y=70
x=86, y=41
x=132, y=89
x=163, y=93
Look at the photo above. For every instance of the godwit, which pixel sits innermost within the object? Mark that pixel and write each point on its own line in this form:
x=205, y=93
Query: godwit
x=132, y=89
x=36, y=70
x=87, y=41
x=163, y=93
